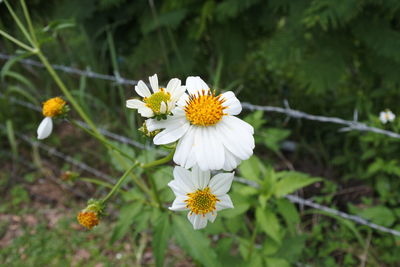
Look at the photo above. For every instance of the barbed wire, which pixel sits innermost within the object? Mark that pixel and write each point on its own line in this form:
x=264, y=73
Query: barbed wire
x=87, y=73
x=295, y=199
x=353, y=125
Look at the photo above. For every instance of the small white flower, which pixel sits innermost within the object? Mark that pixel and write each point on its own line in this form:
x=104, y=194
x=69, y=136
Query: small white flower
x=209, y=134
x=45, y=128
x=199, y=195
x=160, y=102
x=386, y=116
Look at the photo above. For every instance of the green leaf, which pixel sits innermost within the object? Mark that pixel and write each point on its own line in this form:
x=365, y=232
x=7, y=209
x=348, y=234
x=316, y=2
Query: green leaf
x=291, y=182
x=126, y=217
x=269, y=223
x=273, y=138
x=251, y=169
x=194, y=242
x=289, y=214
x=162, y=232
x=277, y=262
x=379, y=214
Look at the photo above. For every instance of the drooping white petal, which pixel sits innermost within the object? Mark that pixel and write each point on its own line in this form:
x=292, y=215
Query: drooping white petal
x=237, y=136
x=142, y=89
x=231, y=161
x=135, y=103
x=211, y=216
x=209, y=149
x=224, y=202
x=45, y=128
x=200, y=178
x=179, y=204
x=198, y=221
x=182, y=176
x=232, y=104
x=154, y=83
x=171, y=134
x=221, y=183
x=146, y=112
x=195, y=84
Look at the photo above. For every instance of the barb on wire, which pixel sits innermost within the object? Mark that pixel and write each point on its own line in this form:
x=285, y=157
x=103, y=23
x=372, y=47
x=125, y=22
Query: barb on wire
x=292, y=198
x=349, y=125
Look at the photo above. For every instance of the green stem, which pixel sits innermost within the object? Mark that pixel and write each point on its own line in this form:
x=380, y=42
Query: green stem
x=97, y=182
x=156, y=196
x=103, y=140
x=253, y=240
x=160, y=161
x=118, y=184
x=19, y=23
x=28, y=20
x=17, y=42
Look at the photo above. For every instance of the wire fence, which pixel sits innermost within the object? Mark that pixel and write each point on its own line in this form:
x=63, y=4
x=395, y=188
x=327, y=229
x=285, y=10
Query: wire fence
x=349, y=126
x=353, y=125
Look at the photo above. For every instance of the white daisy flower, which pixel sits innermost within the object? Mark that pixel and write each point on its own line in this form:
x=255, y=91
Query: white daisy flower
x=160, y=102
x=199, y=195
x=208, y=132
x=386, y=116
x=53, y=107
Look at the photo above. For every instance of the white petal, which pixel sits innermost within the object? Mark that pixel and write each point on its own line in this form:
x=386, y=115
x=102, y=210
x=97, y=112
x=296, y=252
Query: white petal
x=391, y=116
x=231, y=161
x=135, y=103
x=221, y=183
x=182, y=101
x=200, y=178
x=172, y=85
x=177, y=188
x=195, y=84
x=153, y=124
x=171, y=134
x=154, y=83
x=183, y=152
x=142, y=89
x=163, y=108
x=232, y=104
x=45, y=128
x=224, y=202
x=177, y=94
x=146, y=112
x=182, y=176
x=199, y=221
x=211, y=216
x=237, y=136
x=179, y=204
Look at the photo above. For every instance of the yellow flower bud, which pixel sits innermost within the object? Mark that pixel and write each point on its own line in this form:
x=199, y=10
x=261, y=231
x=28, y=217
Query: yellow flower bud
x=53, y=107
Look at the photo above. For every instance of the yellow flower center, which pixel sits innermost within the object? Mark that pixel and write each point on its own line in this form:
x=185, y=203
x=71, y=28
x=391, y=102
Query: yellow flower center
x=201, y=201
x=204, y=109
x=155, y=100
x=89, y=219
x=53, y=107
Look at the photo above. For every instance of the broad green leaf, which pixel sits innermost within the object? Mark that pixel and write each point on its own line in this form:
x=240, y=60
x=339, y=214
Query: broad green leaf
x=194, y=242
x=379, y=214
x=273, y=137
x=289, y=214
x=277, y=262
x=269, y=223
x=161, y=234
x=251, y=169
x=291, y=182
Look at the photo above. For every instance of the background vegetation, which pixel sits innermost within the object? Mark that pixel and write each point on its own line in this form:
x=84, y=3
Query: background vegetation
x=325, y=57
